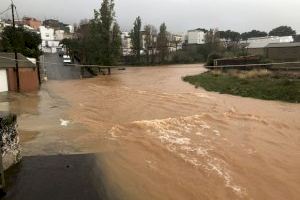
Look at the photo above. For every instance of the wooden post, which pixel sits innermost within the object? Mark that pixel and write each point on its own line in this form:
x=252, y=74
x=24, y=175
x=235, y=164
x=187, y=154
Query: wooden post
x=15, y=51
x=39, y=69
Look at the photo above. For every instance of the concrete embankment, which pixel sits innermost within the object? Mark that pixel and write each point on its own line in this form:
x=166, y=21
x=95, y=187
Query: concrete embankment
x=10, y=147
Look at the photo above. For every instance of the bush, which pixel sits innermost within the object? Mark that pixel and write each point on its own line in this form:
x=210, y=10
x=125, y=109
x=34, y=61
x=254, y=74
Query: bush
x=211, y=57
x=182, y=57
x=264, y=60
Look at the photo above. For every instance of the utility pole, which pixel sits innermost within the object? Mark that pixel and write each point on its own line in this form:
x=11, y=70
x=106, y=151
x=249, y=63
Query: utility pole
x=15, y=50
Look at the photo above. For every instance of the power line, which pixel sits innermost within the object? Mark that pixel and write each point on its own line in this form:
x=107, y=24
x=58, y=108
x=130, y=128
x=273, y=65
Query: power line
x=13, y=3
x=5, y=11
x=18, y=17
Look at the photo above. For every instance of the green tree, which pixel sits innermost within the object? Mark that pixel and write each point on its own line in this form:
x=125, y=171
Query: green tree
x=230, y=35
x=136, y=38
x=212, y=41
x=116, y=43
x=162, y=43
x=21, y=40
x=104, y=33
x=282, y=31
x=71, y=45
x=253, y=33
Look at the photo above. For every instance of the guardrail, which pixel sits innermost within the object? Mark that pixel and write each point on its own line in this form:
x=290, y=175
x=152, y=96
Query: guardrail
x=271, y=66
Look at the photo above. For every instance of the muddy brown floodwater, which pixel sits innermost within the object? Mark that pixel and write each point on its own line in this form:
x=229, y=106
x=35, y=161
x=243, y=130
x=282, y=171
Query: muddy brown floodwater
x=160, y=138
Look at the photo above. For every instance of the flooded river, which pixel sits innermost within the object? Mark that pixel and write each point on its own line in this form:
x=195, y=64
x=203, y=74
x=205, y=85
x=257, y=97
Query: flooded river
x=158, y=137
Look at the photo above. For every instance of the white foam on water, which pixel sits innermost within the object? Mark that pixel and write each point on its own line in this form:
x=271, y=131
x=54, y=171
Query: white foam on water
x=141, y=92
x=178, y=135
x=174, y=140
x=217, y=132
x=203, y=95
x=204, y=126
x=202, y=151
x=199, y=134
x=64, y=122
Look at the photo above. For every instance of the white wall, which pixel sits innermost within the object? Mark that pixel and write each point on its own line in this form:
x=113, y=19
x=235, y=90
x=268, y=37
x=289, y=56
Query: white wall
x=59, y=35
x=50, y=39
x=126, y=43
x=261, y=42
x=3, y=81
x=47, y=33
x=196, y=37
x=71, y=28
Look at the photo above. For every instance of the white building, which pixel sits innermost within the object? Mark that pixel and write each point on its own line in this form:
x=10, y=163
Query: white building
x=196, y=36
x=126, y=44
x=71, y=28
x=261, y=42
x=176, y=42
x=256, y=46
x=47, y=34
x=59, y=35
x=51, y=39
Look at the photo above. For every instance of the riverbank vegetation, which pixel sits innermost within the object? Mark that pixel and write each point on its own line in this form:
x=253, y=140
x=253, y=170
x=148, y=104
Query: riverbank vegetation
x=21, y=40
x=260, y=84
x=99, y=41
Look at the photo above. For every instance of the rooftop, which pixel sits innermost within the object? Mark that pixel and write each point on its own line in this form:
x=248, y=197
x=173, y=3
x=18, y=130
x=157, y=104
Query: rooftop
x=7, y=60
x=282, y=45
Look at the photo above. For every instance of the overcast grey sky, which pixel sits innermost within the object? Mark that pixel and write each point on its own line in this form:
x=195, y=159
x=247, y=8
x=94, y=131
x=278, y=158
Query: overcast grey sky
x=179, y=15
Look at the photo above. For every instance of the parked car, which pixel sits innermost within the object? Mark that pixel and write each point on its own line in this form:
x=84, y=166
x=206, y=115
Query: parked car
x=66, y=59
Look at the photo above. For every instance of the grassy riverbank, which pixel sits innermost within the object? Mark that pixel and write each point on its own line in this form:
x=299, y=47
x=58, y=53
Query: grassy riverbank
x=260, y=84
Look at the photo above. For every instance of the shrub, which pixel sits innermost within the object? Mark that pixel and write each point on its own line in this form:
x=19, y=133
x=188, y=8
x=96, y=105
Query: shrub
x=211, y=57
x=182, y=57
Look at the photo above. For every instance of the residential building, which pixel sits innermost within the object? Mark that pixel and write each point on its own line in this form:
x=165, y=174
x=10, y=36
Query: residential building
x=32, y=22
x=256, y=45
x=71, y=29
x=296, y=38
x=282, y=52
x=50, y=39
x=126, y=44
x=59, y=35
x=176, y=42
x=53, y=23
x=47, y=34
x=28, y=74
x=196, y=36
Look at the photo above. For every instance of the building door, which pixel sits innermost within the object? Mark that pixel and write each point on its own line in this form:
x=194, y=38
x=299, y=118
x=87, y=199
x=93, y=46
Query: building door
x=3, y=81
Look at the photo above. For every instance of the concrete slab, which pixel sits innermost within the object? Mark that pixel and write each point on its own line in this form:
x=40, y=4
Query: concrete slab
x=61, y=177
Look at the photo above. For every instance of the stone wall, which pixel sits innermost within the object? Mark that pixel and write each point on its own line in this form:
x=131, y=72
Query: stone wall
x=10, y=143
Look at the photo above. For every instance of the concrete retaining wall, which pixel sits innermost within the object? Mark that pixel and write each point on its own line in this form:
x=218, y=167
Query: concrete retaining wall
x=9, y=140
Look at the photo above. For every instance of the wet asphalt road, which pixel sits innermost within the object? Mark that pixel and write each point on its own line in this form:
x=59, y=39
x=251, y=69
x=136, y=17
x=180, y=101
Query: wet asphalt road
x=57, y=177
x=58, y=71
